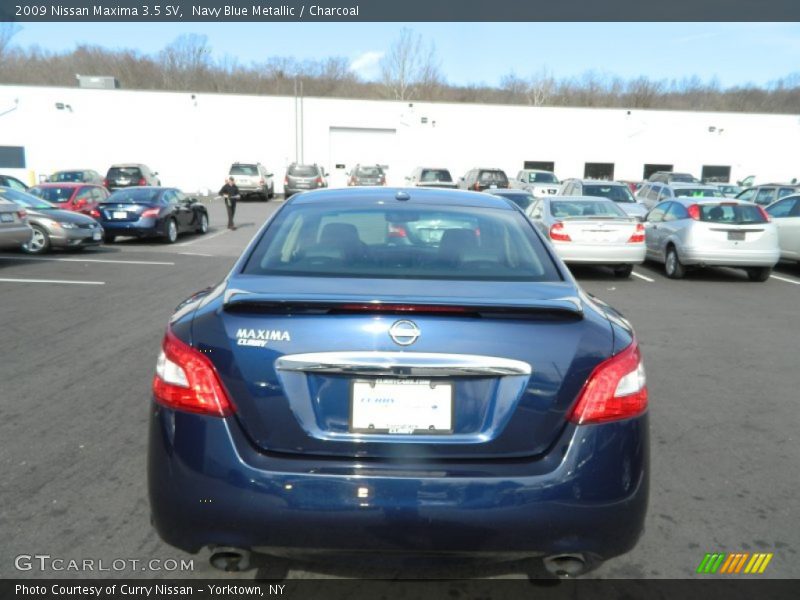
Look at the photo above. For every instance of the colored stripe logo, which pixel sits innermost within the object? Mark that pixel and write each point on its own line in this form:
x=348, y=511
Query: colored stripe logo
x=734, y=563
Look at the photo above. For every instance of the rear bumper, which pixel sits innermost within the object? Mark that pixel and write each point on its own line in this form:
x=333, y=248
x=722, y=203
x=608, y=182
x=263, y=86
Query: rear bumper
x=729, y=258
x=209, y=486
x=601, y=254
x=147, y=227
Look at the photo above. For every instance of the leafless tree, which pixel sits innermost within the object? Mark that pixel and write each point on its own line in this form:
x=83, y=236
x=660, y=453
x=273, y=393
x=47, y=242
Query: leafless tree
x=186, y=61
x=409, y=68
x=7, y=31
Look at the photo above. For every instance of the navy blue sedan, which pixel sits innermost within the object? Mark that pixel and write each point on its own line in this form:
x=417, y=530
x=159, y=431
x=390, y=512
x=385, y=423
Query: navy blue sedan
x=399, y=371
x=150, y=212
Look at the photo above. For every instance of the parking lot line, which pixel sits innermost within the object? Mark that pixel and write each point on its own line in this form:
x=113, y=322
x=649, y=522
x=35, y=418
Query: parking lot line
x=202, y=238
x=92, y=260
x=194, y=254
x=64, y=281
x=779, y=278
x=647, y=279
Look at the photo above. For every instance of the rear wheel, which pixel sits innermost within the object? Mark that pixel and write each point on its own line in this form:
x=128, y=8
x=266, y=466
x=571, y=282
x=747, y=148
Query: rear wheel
x=672, y=265
x=203, y=226
x=271, y=194
x=39, y=242
x=171, y=232
x=758, y=273
x=623, y=271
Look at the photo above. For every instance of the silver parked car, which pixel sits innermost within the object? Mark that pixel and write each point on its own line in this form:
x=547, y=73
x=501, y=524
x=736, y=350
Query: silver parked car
x=54, y=228
x=434, y=177
x=700, y=232
x=14, y=228
x=785, y=214
x=537, y=182
x=590, y=230
x=253, y=179
x=652, y=194
x=613, y=190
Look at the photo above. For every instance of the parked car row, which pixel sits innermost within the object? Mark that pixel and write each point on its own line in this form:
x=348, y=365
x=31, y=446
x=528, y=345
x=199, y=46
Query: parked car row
x=74, y=221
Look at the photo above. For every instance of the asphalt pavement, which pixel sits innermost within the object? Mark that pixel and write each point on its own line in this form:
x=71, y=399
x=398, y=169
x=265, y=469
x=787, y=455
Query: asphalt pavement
x=81, y=332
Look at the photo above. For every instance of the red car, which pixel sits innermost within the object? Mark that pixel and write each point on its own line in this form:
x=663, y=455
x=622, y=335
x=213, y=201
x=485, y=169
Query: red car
x=77, y=197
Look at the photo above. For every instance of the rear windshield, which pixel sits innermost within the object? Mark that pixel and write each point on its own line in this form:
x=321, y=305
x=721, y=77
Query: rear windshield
x=402, y=242
x=737, y=214
x=575, y=209
x=62, y=176
x=617, y=193
x=369, y=172
x=134, y=196
x=542, y=178
x=433, y=175
x=130, y=172
x=699, y=192
x=251, y=170
x=493, y=177
x=303, y=171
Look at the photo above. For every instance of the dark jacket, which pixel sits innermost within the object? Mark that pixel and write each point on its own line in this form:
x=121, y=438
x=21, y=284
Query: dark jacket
x=230, y=189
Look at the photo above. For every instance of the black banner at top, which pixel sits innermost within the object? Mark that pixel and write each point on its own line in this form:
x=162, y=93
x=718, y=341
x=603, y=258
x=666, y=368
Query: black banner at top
x=397, y=10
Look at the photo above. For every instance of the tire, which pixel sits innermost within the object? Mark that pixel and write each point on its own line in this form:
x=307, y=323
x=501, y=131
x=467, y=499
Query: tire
x=171, y=232
x=203, y=227
x=109, y=238
x=672, y=264
x=271, y=194
x=760, y=274
x=623, y=271
x=39, y=242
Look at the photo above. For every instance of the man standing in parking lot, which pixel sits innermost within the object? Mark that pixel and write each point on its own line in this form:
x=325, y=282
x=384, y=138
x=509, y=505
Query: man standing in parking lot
x=230, y=193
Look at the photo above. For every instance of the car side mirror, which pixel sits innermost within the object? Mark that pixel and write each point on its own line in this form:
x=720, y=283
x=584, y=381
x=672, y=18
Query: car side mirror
x=269, y=174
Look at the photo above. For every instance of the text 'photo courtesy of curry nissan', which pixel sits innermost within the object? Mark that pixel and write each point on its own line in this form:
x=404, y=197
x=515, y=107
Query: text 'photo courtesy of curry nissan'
x=402, y=371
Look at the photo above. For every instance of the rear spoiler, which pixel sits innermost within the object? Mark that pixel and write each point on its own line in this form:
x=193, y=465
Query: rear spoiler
x=244, y=301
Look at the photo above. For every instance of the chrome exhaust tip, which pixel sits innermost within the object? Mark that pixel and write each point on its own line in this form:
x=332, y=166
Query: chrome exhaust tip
x=229, y=559
x=565, y=565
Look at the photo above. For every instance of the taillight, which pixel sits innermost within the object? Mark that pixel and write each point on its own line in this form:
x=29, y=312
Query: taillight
x=477, y=187
x=637, y=237
x=142, y=181
x=94, y=213
x=694, y=212
x=318, y=181
x=187, y=380
x=397, y=231
x=352, y=181
x=402, y=308
x=151, y=212
x=105, y=182
x=382, y=180
x=616, y=389
x=261, y=181
x=286, y=180
x=764, y=213
x=22, y=214
x=557, y=233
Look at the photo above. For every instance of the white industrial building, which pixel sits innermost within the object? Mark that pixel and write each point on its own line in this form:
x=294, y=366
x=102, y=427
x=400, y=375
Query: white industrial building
x=191, y=139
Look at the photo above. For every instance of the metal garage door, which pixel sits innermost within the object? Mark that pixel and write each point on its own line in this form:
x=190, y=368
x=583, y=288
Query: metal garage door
x=365, y=145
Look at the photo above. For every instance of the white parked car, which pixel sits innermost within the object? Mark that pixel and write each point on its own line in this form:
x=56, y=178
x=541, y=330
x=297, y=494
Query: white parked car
x=537, y=182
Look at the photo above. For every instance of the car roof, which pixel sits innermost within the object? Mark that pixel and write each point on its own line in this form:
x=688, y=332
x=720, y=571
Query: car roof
x=689, y=200
x=423, y=196
x=682, y=185
x=537, y=171
x=68, y=184
x=587, y=198
x=602, y=182
x=509, y=191
x=118, y=165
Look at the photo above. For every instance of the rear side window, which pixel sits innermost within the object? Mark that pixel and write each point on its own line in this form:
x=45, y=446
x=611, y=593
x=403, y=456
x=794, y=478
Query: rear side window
x=251, y=170
x=735, y=214
x=52, y=194
x=62, y=176
x=406, y=242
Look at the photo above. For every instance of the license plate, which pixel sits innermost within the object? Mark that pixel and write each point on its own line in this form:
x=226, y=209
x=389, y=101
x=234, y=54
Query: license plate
x=119, y=215
x=6, y=217
x=493, y=186
x=401, y=406
x=736, y=236
x=97, y=235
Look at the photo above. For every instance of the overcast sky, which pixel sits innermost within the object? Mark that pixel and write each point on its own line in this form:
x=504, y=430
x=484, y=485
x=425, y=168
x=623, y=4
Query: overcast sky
x=734, y=53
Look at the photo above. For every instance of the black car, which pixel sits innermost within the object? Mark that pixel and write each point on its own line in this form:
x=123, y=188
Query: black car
x=483, y=179
x=367, y=175
x=129, y=175
x=151, y=212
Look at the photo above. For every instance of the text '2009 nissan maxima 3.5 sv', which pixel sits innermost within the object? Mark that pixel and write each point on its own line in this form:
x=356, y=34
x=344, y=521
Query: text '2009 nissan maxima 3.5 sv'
x=390, y=370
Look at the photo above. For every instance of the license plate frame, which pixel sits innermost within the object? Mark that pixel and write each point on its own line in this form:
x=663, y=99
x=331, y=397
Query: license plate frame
x=736, y=236
x=6, y=217
x=393, y=417
x=119, y=214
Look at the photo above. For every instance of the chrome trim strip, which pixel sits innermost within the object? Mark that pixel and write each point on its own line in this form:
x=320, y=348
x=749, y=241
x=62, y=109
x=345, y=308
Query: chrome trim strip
x=403, y=364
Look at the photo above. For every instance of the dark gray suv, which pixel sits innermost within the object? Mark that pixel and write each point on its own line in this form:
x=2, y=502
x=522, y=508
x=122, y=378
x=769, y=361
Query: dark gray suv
x=129, y=175
x=301, y=178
